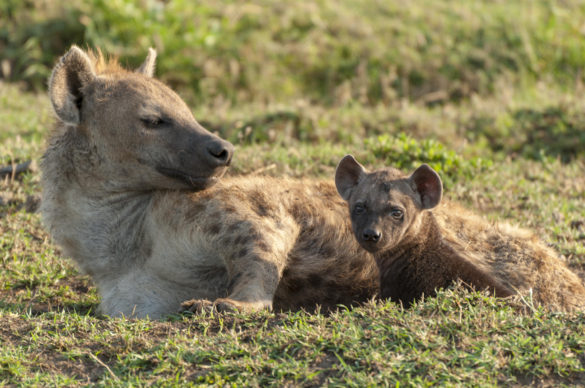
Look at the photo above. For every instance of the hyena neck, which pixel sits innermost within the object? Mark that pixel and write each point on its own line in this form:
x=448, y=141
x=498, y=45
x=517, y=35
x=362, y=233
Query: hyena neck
x=403, y=268
x=425, y=237
x=72, y=159
x=87, y=219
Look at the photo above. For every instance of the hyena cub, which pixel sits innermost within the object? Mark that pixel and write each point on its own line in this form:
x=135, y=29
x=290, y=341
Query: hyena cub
x=131, y=193
x=418, y=250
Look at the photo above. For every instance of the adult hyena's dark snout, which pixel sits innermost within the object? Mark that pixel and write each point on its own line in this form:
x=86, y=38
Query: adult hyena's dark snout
x=219, y=152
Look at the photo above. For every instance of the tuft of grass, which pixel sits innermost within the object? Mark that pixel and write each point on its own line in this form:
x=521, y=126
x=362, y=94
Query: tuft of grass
x=406, y=153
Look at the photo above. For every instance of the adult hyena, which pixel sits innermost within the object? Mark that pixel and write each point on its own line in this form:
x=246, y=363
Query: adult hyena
x=131, y=193
x=418, y=249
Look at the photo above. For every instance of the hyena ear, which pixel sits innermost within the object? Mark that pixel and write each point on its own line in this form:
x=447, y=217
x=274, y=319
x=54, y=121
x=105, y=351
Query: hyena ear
x=147, y=67
x=428, y=185
x=74, y=71
x=347, y=176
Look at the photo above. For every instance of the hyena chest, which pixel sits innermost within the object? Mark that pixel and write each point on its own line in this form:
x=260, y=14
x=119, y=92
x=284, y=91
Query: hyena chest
x=101, y=235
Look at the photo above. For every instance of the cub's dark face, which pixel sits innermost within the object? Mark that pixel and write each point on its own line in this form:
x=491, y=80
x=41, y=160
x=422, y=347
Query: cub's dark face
x=385, y=205
x=382, y=209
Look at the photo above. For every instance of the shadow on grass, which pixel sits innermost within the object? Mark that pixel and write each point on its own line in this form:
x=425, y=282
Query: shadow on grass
x=536, y=133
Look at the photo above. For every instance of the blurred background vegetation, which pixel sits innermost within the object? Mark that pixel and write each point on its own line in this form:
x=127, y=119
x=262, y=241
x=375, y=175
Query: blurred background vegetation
x=328, y=51
x=488, y=78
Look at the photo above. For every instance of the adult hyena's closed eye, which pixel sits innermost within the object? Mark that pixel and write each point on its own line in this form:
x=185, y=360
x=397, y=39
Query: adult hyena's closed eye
x=421, y=243
x=131, y=192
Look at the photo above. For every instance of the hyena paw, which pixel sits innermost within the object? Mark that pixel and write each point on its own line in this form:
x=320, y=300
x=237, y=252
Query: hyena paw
x=228, y=304
x=196, y=306
x=225, y=305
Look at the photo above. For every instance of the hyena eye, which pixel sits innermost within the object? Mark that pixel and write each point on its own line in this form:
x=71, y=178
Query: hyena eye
x=152, y=122
x=396, y=213
x=359, y=208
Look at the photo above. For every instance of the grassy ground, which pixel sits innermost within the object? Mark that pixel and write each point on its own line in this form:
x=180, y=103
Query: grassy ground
x=49, y=334
x=493, y=101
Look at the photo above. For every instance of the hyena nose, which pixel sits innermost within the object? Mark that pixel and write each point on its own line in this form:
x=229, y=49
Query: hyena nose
x=220, y=152
x=372, y=235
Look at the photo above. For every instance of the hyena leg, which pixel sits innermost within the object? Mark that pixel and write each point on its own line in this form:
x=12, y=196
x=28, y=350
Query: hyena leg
x=253, y=282
x=255, y=261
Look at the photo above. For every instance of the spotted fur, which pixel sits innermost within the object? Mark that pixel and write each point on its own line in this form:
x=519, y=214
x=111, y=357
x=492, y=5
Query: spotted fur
x=140, y=207
x=421, y=244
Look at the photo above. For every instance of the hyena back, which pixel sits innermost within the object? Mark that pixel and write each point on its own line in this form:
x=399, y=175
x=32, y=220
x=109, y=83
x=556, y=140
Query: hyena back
x=421, y=244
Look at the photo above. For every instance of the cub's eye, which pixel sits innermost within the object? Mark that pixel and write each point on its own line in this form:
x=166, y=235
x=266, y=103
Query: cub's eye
x=152, y=122
x=359, y=208
x=396, y=213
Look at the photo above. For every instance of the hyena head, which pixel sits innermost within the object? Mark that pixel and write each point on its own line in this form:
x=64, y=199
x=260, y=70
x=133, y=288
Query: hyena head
x=142, y=133
x=385, y=205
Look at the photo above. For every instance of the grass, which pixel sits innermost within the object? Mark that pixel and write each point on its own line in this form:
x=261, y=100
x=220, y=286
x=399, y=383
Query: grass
x=50, y=335
x=491, y=99
x=456, y=338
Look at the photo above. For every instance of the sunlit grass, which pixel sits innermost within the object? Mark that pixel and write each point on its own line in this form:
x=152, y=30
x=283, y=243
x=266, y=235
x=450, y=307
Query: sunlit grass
x=490, y=93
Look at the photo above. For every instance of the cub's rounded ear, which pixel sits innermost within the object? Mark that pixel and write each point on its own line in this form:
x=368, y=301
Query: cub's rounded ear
x=427, y=183
x=147, y=67
x=74, y=71
x=347, y=176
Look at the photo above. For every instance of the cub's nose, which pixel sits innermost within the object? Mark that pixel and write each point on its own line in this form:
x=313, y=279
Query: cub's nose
x=372, y=235
x=220, y=152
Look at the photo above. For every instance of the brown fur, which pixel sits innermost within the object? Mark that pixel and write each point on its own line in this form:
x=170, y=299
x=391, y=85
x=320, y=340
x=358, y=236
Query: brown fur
x=119, y=197
x=419, y=250
x=280, y=240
